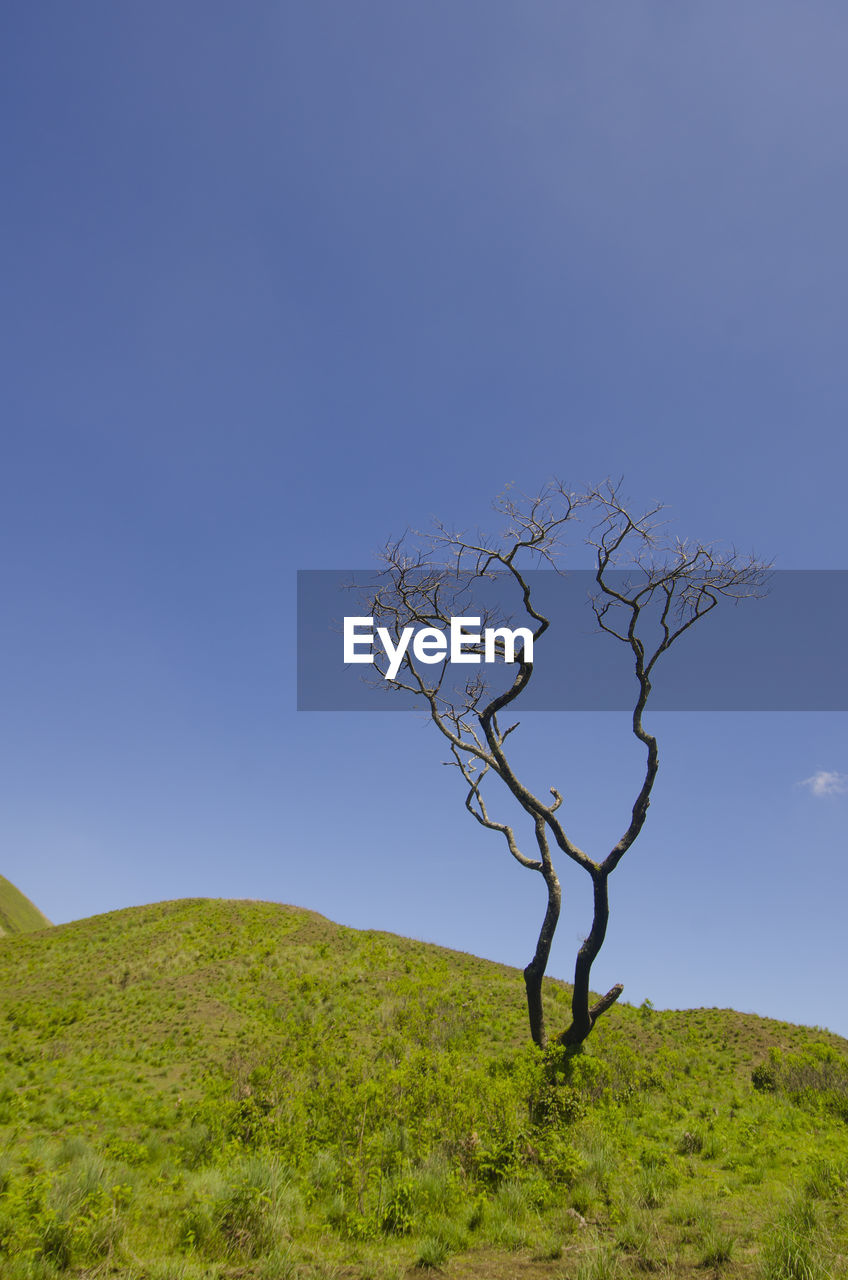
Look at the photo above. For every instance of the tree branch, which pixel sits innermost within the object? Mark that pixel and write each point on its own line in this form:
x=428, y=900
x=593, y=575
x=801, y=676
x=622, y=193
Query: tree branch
x=651, y=589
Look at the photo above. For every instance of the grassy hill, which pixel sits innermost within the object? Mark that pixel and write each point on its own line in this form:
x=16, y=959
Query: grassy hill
x=210, y=1089
x=17, y=913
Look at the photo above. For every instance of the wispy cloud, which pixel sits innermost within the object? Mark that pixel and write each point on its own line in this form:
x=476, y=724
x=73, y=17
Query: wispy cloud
x=827, y=783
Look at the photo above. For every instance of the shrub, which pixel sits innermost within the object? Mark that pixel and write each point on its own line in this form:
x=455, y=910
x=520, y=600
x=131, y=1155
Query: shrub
x=197, y=1223
x=397, y=1218
x=497, y=1161
x=195, y=1145
x=816, y=1077
x=248, y=1213
x=559, y=1160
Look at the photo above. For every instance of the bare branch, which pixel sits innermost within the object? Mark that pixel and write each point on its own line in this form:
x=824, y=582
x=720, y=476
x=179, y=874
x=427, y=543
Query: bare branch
x=651, y=589
x=473, y=795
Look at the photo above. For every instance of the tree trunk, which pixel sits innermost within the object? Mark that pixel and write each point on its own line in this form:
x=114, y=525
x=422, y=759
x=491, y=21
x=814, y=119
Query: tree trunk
x=583, y=1018
x=535, y=971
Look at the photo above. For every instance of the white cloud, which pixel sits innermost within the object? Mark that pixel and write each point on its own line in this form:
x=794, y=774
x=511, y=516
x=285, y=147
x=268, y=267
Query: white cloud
x=827, y=783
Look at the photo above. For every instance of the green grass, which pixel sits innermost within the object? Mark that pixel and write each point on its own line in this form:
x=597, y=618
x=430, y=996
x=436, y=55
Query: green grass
x=203, y=1090
x=17, y=913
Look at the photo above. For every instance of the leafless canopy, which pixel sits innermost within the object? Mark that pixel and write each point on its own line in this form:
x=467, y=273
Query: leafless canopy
x=650, y=589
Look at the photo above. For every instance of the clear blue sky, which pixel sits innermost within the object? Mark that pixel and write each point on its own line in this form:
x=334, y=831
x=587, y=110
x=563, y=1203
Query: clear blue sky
x=281, y=280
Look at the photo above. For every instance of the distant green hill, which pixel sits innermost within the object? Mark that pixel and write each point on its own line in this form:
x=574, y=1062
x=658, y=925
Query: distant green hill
x=17, y=913
x=211, y=1089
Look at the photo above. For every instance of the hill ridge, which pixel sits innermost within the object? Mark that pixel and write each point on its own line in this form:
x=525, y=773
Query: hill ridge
x=238, y=1088
x=18, y=914
x=309, y=921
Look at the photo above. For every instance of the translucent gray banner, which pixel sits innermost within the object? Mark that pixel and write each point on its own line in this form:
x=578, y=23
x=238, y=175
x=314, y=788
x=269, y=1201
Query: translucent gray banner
x=784, y=651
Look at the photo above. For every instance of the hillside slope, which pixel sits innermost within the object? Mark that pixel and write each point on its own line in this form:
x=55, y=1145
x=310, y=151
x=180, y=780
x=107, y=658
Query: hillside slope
x=211, y=1088
x=17, y=913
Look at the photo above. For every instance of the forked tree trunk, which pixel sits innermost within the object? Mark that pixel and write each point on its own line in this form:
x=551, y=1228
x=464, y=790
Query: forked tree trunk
x=583, y=1015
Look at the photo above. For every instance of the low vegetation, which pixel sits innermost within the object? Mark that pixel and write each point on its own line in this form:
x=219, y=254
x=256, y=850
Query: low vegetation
x=208, y=1089
x=17, y=913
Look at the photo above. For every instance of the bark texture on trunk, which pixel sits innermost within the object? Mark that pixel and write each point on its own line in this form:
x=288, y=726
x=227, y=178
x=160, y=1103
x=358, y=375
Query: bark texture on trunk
x=584, y=1016
x=535, y=971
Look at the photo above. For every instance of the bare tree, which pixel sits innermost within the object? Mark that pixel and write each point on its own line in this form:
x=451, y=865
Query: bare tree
x=650, y=589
